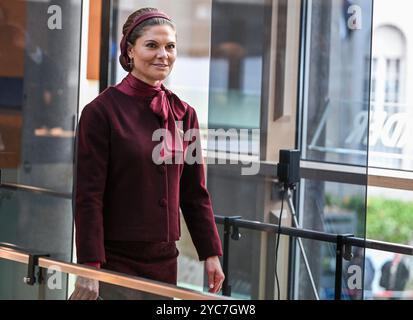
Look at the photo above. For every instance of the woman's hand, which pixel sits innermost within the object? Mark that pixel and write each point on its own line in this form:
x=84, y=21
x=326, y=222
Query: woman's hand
x=85, y=289
x=215, y=274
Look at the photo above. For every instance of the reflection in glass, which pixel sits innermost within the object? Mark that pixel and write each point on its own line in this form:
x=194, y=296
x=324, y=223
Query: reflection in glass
x=238, y=46
x=335, y=110
x=38, y=94
x=336, y=98
x=395, y=276
x=390, y=145
x=39, y=73
x=390, y=219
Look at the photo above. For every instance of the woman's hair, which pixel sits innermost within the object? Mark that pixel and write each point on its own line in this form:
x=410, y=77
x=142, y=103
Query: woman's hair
x=140, y=29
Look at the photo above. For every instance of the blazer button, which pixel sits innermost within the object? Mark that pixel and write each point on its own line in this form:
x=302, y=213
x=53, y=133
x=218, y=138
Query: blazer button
x=163, y=202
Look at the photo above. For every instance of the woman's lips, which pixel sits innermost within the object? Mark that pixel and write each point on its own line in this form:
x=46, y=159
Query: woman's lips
x=162, y=66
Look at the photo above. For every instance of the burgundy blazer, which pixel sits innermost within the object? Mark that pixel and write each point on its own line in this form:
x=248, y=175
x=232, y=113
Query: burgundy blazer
x=121, y=194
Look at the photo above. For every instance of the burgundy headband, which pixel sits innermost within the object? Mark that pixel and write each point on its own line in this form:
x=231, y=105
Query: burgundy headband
x=124, y=58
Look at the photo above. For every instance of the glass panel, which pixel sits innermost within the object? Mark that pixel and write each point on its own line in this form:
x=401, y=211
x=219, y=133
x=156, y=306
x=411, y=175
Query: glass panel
x=393, y=278
x=390, y=219
x=240, y=269
x=389, y=215
x=391, y=118
x=238, y=46
x=109, y=291
x=246, y=260
x=322, y=266
x=389, y=211
x=190, y=269
x=357, y=273
x=13, y=288
x=337, y=77
x=336, y=208
x=335, y=115
x=39, y=91
x=54, y=286
x=38, y=222
x=39, y=74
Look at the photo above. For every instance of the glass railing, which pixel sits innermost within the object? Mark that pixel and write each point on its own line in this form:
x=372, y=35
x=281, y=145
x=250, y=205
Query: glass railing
x=42, y=275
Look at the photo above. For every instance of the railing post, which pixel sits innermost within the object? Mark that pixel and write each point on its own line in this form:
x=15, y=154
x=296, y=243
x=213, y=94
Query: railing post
x=340, y=248
x=30, y=278
x=235, y=235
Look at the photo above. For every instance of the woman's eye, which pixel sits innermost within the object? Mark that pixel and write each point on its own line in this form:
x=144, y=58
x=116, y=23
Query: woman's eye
x=151, y=45
x=171, y=46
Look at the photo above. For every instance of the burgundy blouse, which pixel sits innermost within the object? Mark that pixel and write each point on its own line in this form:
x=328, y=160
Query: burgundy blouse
x=121, y=194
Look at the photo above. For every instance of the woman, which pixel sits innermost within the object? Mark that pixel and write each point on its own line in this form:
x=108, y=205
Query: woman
x=128, y=187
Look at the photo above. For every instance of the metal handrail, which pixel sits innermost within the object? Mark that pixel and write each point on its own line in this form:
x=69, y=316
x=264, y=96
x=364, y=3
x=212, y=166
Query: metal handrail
x=10, y=252
x=318, y=235
x=343, y=244
x=32, y=189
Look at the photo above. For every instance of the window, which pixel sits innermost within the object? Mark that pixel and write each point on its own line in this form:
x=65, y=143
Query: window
x=335, y=115
x=358, y=149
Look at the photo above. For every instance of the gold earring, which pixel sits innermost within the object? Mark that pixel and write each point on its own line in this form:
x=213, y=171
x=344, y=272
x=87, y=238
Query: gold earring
x=130, y=63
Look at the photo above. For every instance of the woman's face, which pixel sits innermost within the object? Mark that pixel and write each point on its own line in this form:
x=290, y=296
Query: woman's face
x=154, y=54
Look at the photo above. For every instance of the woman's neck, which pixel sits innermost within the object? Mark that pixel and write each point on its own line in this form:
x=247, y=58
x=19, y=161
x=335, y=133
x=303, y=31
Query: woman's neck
x=153, y=83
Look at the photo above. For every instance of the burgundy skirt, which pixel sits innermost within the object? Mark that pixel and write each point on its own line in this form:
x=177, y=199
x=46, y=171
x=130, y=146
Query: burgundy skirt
x=155, y=261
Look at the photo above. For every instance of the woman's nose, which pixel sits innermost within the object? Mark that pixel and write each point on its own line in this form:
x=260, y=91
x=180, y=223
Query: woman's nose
x=162, y=53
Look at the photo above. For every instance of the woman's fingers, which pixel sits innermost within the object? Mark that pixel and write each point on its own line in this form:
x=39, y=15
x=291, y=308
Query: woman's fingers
x=75, y=294
x=85, y=289
x=219, y=279
x=215, y=280
x=215, y=274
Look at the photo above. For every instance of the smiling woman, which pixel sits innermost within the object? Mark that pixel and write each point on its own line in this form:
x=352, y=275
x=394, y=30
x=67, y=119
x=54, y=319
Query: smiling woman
x=127, y=206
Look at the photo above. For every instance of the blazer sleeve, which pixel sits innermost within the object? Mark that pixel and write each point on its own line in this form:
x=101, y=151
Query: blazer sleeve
x=90, y=180
x=196, y=205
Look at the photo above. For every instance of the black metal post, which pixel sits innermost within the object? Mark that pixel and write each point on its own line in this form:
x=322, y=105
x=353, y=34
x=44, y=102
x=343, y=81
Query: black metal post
x=339, y=267
x=226, y=288
x=339, y=264
x=228, y=222
x=31, y=279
